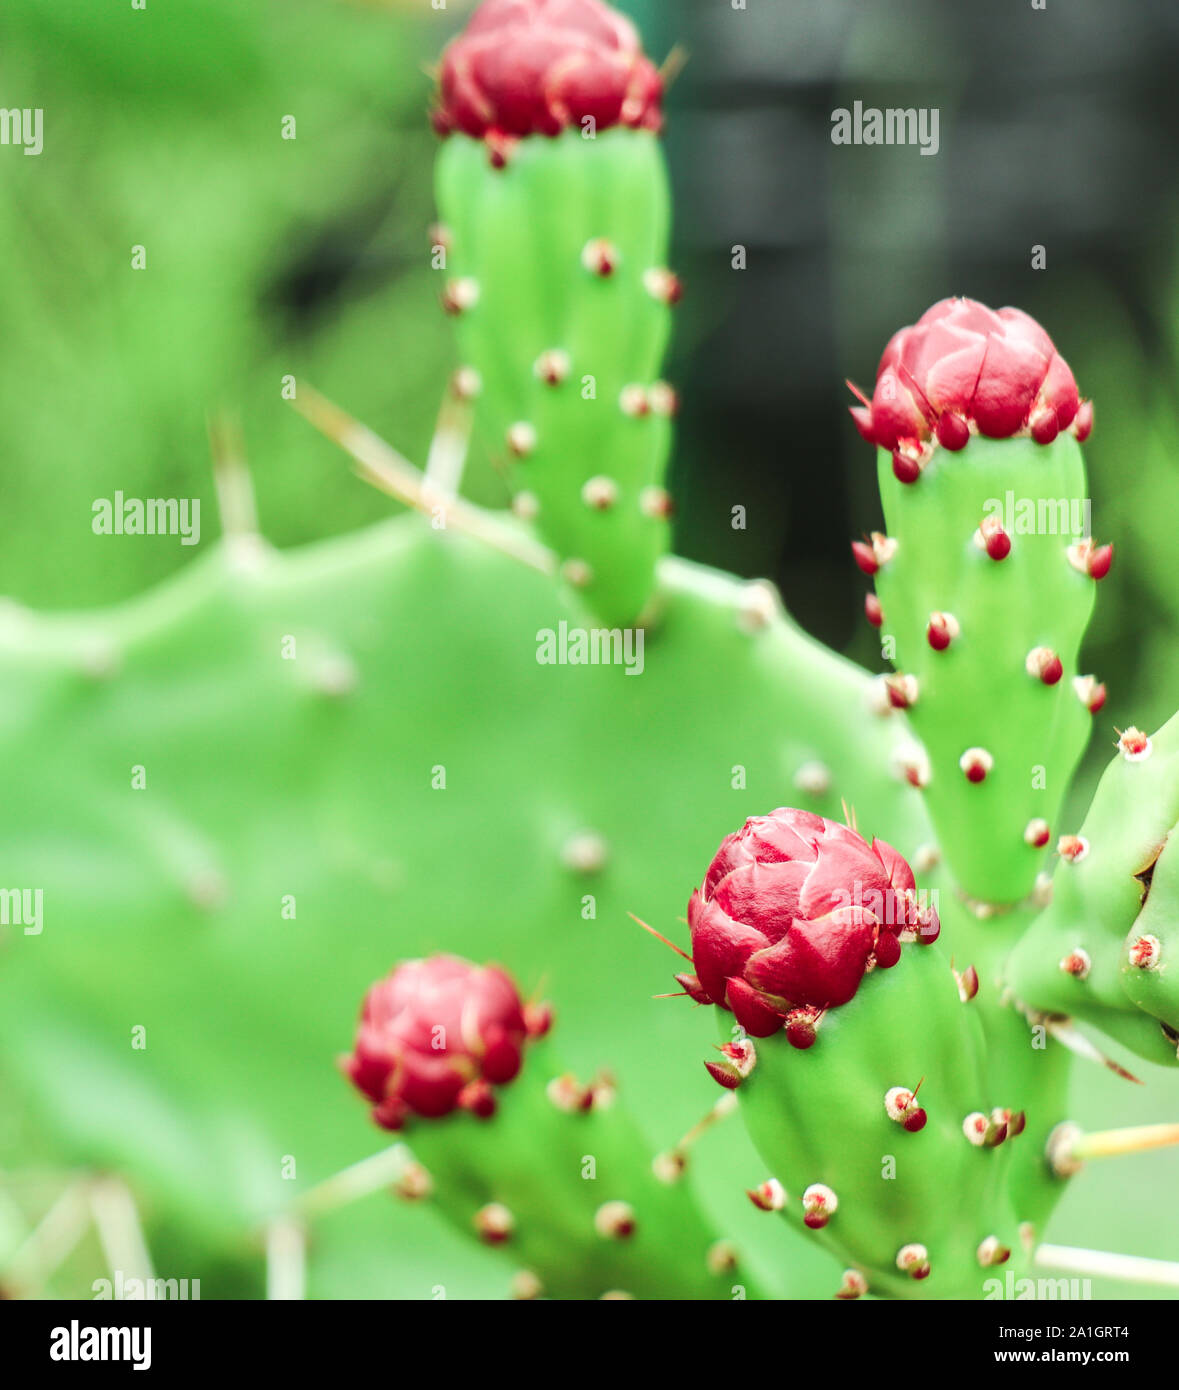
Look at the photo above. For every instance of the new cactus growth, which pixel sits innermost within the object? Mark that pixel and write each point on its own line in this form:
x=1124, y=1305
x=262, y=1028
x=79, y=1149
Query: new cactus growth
x=986, y=575
x=800, y=921
x=553, y=195
x=514, y=1151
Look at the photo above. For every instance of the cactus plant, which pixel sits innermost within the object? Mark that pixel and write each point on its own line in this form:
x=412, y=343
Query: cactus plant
x=453, y=795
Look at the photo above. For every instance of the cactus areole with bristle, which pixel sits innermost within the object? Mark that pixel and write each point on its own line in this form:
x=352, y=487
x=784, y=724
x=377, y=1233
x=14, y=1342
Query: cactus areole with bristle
x=536, y=67
x=437, y=1035
x=793, y=912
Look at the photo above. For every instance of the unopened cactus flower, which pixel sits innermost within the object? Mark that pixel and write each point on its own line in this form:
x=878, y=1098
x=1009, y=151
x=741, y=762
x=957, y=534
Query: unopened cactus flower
x=794, y=910
x=535, y=67
x=438, y=1034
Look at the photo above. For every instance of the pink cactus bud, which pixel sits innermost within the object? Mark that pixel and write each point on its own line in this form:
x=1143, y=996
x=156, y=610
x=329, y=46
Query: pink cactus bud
x=634, y=401
x=436, y=1035
x=819, y=1205
x=740, y=1059
x=984, y=1131
x=769, y=1196
x=615, y=1221
x=962, y=368
x=1134, y=745
x=876, y=551
x=992, y=1252
x=873, y=611
x=1083, y=421
x=1072, y=847
x=913, y=1260
x=1037, y=833
x=941, y=631
x=967, y=983
x=853, y=1285
x=1016, y=1123
x=600, y=257
x=1044, y=665
x=535, y=67
x=992, y=538
x=976, y=764
x=792, y=912
x=1077, y=963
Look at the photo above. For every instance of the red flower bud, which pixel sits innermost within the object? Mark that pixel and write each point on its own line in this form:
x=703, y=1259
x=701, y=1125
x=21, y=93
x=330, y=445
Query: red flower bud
x=438, y=1034
x=535, y=67
x=964, y=368
x=792, y=913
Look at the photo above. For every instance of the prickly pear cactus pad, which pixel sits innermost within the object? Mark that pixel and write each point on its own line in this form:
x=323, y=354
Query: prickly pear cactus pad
x=331, y=971
x=552, y=245
x=985, y=578
x=441, y=1037
x=1096, y=952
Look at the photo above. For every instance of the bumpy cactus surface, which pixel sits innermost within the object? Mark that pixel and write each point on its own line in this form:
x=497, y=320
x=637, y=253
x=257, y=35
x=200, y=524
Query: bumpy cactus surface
x=898, y=985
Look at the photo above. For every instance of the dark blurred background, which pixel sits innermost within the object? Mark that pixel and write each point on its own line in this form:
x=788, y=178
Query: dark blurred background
x=267, y=256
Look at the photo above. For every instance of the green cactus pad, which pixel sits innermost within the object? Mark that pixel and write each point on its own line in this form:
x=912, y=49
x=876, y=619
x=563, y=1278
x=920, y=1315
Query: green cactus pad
x=591, y=448
x=977, y=692
x=1097, y=899
x=818, y=1116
